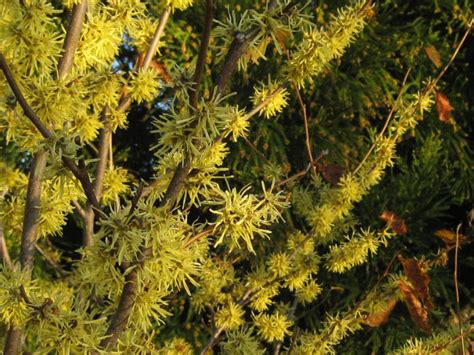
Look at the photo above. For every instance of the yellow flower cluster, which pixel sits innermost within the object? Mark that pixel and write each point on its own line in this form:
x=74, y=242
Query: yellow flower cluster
x=275, y=97
x=319, y=47
x=115, y=183
x=272, y=327
x=229, y=316
x=179, y=4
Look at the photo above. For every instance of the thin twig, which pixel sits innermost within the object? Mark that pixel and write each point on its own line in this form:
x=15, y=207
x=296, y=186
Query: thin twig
x=246, y=298
x=136, y=198
x=4, y=254
x=291, y=316
x=306, y=129
x=72, y=38
x=198, y=236
x=367, y=294
x=156, y=38
x=127, y=298
x=51, y=261
x=255, y=149
x=387, y=121
x=453, y=56
x=78, y=208
x=456, y=286
x=301, y=173
x=126, y=101
x=265, y=102
x=452, y=341
x=212, y=340
x=80, y=174
x=427, y=89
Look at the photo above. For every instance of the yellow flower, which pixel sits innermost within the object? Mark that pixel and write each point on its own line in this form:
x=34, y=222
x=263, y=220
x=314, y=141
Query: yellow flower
x=308, y=292
x=277, y=98
x=180, y=4
x=230, y=316
x=115, y=183
x=144, y=85
x=238, y=124
x=279, y=264
x=272, y=327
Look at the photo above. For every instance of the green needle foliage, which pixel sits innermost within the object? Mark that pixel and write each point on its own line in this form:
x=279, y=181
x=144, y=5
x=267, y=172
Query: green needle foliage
x=240, y=177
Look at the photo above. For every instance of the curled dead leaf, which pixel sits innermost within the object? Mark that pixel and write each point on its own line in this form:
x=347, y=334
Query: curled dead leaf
x=418, y=278
x=449, y=237
x=395, y=222
x=378, y=318
x=443, y=106
x=433, y=56
x=418, y=312
x=332, y=173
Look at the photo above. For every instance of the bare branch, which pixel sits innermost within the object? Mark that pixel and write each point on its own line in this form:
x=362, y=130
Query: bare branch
x=21, y=99
x=181, y=172
x=120, y=318
x=306, y=129
x=78, y=208
x=456, y=286
x=32, y=210
x=387, y=121
x=4, y=254
x=105, y=137
x=50, y=261
x=29, y=235
x=239, y=46
x=201, y=60
x=126, y=101
x=72, y=38
x=13, y=341
x=106, y=133
x=127, y=298
x=33, y=195
x=68, y=162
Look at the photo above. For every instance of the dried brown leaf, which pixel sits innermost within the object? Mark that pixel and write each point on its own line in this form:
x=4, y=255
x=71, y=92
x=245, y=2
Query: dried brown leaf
x=418, y=312
x=378, y=318
x=433, y=56
x=443, y=106
x=332, y=173
x=449, y=237
x=418, y=278
x=396, y=223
